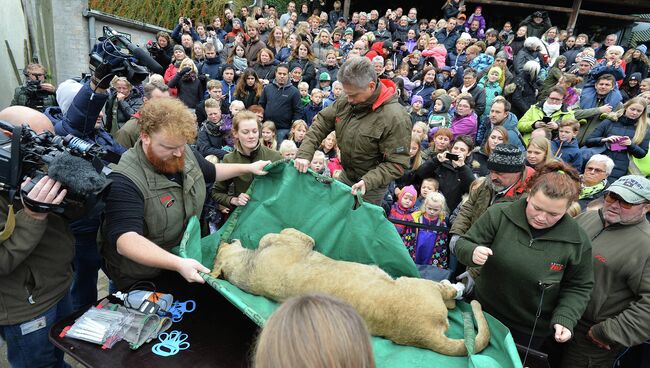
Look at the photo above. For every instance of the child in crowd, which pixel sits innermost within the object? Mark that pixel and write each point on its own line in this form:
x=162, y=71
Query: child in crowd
x=538, y=152
x=298, y=131
x=315, y=106
x=268, y=135
x=429, y=185
x=303, y=88
x=328, y=146
x=610, y=65
x=235, y=107
x=418, y=113
x=403, y=73
x=431, y=246
x=439, y=116
x=565, y=147
x=493, y=86
x=572, y=96
x=421, y=131
x=402, y=210
x=318, y=164
x=389, y=68
x=288, y=149
x=337, y=91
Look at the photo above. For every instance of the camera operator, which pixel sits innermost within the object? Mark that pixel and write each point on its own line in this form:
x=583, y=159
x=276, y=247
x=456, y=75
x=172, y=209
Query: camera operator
x=35, y=93
x=82, y=117
x=162, y=50
x=35, y=265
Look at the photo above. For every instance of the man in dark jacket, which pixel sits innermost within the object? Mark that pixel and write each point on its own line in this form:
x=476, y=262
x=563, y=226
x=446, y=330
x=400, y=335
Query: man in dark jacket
x=373, y=131
x=281, y=102
x=35, y=265
x=449, y=35
x=537, y=23
x=35, y=93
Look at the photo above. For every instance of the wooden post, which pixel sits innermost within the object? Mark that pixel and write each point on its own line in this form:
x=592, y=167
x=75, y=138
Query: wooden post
x=346, y=9
x=573, y=17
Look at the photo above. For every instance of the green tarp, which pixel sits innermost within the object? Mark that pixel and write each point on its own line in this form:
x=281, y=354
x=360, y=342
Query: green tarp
x=343, y=228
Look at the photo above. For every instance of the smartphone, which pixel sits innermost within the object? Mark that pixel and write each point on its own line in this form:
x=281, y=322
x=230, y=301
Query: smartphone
x=452, y=156
x=546, y=119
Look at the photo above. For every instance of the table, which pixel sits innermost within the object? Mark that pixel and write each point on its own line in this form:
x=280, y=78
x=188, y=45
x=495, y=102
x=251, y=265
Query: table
x=219, y=334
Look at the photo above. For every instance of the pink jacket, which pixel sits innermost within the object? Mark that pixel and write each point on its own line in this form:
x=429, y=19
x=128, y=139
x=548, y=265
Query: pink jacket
x=464, y=125
x=439, y=53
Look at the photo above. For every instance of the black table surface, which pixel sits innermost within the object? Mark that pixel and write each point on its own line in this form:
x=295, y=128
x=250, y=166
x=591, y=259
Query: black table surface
x=220, y=335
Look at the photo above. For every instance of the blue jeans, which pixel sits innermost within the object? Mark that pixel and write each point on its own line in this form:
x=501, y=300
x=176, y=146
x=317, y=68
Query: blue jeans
x=34, y=349
x=280, y=135
x=87, y=262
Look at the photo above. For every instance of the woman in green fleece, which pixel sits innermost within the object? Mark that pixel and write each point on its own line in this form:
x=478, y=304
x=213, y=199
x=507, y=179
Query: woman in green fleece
x=533, y=256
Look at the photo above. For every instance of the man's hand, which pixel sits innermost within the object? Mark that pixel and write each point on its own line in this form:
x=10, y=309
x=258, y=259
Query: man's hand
x=481, y=255
x=189, y=268
x=257, y=167
x=47, y=87
x=597, y=342
x=301, y=164
x=48, y=191
x=562, y=334
x=460, y=162
x=605, y=109
x=240, y=200
x=359, y=187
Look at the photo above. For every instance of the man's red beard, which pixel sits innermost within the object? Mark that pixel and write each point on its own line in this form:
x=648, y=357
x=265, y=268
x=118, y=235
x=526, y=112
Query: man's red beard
x=171, y=165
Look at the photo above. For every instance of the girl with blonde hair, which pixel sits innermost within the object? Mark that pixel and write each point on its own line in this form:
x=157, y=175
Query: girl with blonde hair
x=538, y=152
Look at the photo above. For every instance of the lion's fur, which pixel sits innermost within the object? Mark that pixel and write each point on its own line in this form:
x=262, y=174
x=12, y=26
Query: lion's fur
x=407, y=311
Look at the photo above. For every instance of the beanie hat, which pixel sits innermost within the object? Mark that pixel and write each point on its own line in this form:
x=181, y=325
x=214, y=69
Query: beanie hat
x=324, y=76
x=417, y=98
x=642, y=48
x=502, y=55
x=236, y=20
x=590, y=59
x=506, y=158
x=635, y=76
x=349, y=31
x=66, y=92
x=179, y=48
x=388, y=45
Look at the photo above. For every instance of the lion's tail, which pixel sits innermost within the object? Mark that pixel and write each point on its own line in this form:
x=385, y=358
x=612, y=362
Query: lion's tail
x=456, y=347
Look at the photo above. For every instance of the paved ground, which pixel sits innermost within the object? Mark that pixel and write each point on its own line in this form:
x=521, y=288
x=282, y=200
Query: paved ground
x=102, y=290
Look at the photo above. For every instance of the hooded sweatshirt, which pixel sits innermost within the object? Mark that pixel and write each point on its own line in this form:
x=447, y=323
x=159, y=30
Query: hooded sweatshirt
x=441, y=118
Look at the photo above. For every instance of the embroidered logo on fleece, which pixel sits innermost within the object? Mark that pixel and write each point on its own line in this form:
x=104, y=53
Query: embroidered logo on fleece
x=600, y=258
x=337, y=120
x=556, y=266
x=167, y=201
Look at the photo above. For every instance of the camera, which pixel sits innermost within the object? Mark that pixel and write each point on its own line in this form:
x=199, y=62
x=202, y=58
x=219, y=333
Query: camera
x=70, y=160
x=186, y=20
x=125, y=58
x=33, y=86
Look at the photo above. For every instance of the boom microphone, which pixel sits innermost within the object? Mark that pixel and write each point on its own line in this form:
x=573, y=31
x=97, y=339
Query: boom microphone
x=146, y=60
x=76, y=174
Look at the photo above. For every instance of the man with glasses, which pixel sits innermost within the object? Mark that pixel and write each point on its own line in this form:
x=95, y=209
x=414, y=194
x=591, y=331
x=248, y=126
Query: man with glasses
x=594, y=179
x=546, y=114
x=618, y=314
x=35, y=93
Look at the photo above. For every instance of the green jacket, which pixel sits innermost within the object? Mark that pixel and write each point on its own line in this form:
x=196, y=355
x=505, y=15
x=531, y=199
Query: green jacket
x=39, y=100
x=510, y=284
x=534, y=114
x=168, y=206
x=619, y=309
x=374, y=137
x=35, y=265
x=129, y=133
x=221, y=190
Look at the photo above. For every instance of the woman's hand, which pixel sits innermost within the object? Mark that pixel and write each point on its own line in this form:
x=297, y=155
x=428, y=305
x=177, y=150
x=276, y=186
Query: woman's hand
x=460, y=162
x=625, y=141
x=562, y=334
x=481, y=254
x=611, y=138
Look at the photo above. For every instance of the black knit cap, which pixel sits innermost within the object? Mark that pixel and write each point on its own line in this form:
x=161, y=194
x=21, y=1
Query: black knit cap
x=506, y=158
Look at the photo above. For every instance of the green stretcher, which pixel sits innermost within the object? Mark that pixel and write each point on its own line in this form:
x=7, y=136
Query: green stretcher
x=344, y=228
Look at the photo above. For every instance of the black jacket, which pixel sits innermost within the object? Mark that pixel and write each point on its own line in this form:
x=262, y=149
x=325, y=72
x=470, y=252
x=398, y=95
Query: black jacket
x=454, y=181
x=211, y=143
x=189, y=91
x=281, y=104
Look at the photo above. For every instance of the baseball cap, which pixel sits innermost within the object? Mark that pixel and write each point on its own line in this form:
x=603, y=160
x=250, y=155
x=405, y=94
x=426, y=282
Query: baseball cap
x=633, y=189
x=324, y=76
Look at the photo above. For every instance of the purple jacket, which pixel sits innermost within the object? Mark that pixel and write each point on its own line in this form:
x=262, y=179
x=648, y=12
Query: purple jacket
x=464, y=125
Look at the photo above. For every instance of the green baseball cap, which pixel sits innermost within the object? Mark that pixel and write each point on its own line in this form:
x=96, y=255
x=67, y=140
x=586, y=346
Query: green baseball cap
x=633, y=189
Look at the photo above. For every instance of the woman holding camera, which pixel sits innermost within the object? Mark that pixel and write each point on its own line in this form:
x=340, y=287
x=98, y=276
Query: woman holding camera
x=451, y=169
x=623, y=133
x=162, y=50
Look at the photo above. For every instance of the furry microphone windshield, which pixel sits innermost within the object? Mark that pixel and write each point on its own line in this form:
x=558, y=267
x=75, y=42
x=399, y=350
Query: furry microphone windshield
x=76, y=174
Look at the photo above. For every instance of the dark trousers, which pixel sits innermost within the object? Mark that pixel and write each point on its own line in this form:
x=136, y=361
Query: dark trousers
x=87, y=262
x=581, y=352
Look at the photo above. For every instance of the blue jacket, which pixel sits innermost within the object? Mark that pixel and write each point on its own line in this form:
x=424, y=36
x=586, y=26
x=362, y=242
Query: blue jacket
x=81, y=117
x=623, y=127
x=311, y=111
x=211, y=67
x=425, y=91
x=447, y=39
x=455, y=60
x=569, y=153
x=514, y=136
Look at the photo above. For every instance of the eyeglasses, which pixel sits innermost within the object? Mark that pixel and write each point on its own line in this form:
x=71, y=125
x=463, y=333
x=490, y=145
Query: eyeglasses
x=37, y=75
x=611, y=198
x=594, y=169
